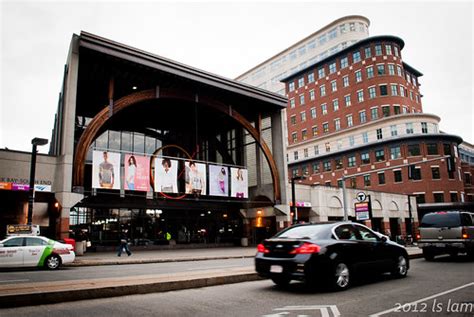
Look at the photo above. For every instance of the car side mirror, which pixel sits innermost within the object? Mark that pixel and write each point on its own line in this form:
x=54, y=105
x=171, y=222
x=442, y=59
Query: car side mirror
x=383, y=238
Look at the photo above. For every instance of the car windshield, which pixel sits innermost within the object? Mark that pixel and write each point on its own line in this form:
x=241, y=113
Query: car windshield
x=305, y=232
x=441, y=219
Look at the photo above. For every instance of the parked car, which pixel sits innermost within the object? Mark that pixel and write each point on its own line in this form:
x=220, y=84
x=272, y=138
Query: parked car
x=23, y=251
x=329, y=253
x=446, y=232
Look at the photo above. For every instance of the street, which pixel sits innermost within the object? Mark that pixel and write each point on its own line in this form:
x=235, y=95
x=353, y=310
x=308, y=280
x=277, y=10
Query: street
x=439, y=288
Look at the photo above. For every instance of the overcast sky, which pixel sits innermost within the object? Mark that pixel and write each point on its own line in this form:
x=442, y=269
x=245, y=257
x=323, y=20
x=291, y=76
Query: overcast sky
x=225, y=38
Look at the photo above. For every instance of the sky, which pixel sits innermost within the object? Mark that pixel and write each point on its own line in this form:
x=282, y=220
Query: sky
x=226, y=38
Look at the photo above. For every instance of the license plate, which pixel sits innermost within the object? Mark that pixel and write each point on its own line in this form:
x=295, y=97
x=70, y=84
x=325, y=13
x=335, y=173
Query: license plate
x=276, y=269
x=439, y=245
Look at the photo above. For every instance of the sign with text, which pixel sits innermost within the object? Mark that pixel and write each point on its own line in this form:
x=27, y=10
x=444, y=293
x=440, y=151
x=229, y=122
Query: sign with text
x=362, y=211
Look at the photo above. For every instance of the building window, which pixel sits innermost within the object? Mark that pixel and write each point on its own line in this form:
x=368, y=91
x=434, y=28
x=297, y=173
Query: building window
x=332, y=68
x=432, y=148
x=393, y=130
x=294, y=137
x=304, y=136
x=305, y=154
x=335, y=104
x=347, y=100
x=293, y=119
x=321, y=73
x=322, y=90
x=379, y=134
x=316, y=150
x=327, y=166
x=420, y=199
x=365, y=158
x=292, y=102
x=383, y=90
x=314, y=130
x=397, y=176
x=324, y=109
x=467, y=179
x=396, y=109
x=353, y=182
x=295, y=155
x=365, y=137
x=394, y=89
x=339, y=164
x=435, y=174
x=310, y=78
x=301, y=99
x=415, y=173
x=386, y=111
x=399, y=70
x=345, y=81
x=378, y=49
x=368, y=52
x=360, y=95
x=395, y=152
x=311, y=94
x=358, y=76
x=395, y=48
x=316, y=168
x=366, y=180
x=350, y=122
x=370, y=72
x=301, y=82
x=344, y=62
x=362, y=117
x=424, y=127
x=447, y=149
x=325, y=127
x=313, y=113
x=351, y=161
x=328, y=146
x=303, y=116
x=337, y=124
x=374, y=113
x=291, y=86
x=380, y=69
x=379, y=155
x=305, y=170
x=413, y=149
x=381, y=177
x=391, y=69
x=402, y=91
x=351, y=140
x=453, y=196
x=333, y=86
x=438, y=197
x=409, y=128
x=388, y=49
x=372, y=93
x=356, y=57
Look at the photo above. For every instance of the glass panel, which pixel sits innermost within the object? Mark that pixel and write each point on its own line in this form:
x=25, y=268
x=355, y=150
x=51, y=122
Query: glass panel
x=126, y=141
x=138, y=143
x=114, y=140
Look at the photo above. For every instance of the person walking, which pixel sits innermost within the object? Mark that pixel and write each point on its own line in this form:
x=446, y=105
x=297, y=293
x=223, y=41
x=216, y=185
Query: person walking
x=124, y=244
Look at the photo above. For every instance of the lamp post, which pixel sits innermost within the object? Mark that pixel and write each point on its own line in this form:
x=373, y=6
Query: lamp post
x=410, y=215
x=31, y=192
x=293, y=197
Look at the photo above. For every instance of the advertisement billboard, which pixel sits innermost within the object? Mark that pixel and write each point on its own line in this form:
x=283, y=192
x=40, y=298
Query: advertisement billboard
x=239, y=182
x=105, y=170
x=166, y=175
x=218, y=180
x=137, y=173
x=195, y=178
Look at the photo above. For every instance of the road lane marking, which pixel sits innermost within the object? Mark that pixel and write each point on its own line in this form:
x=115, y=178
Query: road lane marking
x=8, y=281
x=213, y=267
x=324, y=309
x=423, y=299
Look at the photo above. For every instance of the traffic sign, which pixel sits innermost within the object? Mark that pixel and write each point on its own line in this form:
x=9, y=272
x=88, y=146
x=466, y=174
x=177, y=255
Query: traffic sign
x=361, y=196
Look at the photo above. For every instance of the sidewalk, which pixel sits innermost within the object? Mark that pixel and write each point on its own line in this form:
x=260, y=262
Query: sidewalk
x=27, y=294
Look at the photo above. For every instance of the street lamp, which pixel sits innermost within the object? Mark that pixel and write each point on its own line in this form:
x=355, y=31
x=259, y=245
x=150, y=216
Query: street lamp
x=31, y=193
x=293, y=199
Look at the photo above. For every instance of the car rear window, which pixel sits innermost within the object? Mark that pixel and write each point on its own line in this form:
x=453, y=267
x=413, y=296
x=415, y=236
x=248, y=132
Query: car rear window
x=441, y=219
x=305, y=232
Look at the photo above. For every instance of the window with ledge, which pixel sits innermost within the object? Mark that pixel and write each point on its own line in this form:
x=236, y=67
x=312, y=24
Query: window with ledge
x=314, y=130
x=322, y=90
x=316, y=150
x=304, y=136
x=424, y=127
x=313, y=113
x=409, y=128
x=399, y=70
x=316, y=168
x=388, y=49
x=432, y=148
x=415, y=173
x=353, y=182
x=395, y=152
x=362, y=117
x=321, y=72
x=391, y=69
x=292, y=103
x=327, y=183
x=383, y=90
x=393, y=130
x=332, y=68
x=381, y=177
x=435, y=174
x=356, y=57
x=337, y=124
x=335, y=104
x=413, y=149
x=303, y=116
x=291, y=86
x=325, y=127
x=301, y=99
x=328, y=146
x=345, y=81
x=293, y=119
x=294, y=172
x=370, y=72
x=333, y=86
x=467, y=178
x=420, y=198
x=447, y=149
x=396, y=109
x=360, y=95
x=394, y=89
x=327, y=166
x=385, y=111
x=366, y=180
x=402, y=91
x=295, y=155
x=365, y=137
x=311, y=94
x=344, y=62
x=368, y=52
x=338, y=162
x=378, y=49
x=379, y=134
x=351, y=141
x=301, y=82
x=310, y=78
x=372, y=93
x=365, y=158
x=438, y=197
x=350, y=122
x=358, y=76
x=305, y=154
x=294, y=137
x=379, y=155
x=347, y=100
x=395, y=48
x=453, y=196
x=324, y=109
x=374, y=113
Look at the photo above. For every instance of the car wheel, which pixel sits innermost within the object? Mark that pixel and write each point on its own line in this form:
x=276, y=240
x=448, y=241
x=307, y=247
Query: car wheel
x=281, y=280
x=428, y=255
x=52, y=262
x=341, y=277
x=401, y=269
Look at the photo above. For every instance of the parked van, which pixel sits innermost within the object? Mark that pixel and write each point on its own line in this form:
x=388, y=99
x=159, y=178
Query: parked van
x=446, y=232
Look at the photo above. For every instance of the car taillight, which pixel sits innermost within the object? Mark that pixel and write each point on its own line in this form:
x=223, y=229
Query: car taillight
x=261, y=248
x=464, y=234
x=418, y=236
x=306, y=248
x=61, y=250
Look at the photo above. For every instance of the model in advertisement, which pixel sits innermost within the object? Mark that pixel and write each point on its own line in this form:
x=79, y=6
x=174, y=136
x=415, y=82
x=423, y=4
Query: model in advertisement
x=131, y=172
x=239, y=183
x=195, y=178
x=166, y=176
x=106, y=173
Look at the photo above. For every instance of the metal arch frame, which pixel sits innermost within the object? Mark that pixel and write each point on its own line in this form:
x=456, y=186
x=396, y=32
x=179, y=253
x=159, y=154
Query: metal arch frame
x=103, y=116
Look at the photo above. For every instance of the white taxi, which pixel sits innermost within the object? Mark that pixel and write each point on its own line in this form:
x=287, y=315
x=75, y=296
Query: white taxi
x=22, y=251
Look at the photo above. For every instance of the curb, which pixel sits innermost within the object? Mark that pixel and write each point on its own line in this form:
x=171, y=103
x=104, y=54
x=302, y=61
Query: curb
x=94, y=290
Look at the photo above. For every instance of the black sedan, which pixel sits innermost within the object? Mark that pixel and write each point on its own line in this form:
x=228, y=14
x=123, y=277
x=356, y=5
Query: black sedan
x=329, y=253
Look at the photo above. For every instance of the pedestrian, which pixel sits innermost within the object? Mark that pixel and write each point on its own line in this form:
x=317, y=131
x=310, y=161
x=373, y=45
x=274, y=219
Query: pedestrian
x=123, y=244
